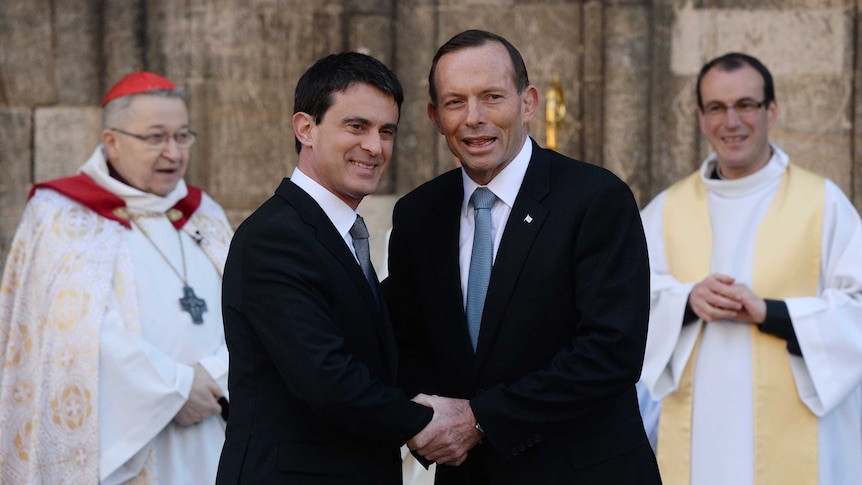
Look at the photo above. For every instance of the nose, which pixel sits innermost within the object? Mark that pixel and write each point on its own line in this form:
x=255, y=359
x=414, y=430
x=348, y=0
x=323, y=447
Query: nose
x=475, y=117
x=372, y=144
x=731, y=117
x=171, y=150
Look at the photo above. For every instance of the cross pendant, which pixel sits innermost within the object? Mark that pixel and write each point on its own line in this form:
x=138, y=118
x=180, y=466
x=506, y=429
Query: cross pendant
x=193, y=305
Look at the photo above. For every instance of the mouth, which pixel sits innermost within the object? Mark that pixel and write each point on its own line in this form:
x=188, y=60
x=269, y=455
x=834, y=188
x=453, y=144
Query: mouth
x=478, y=141
x=734, y=139
x=363, y=165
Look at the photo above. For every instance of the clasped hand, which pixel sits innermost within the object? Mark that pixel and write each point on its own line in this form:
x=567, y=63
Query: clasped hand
x=203, y=399
x=719, y=297
x=450, y=434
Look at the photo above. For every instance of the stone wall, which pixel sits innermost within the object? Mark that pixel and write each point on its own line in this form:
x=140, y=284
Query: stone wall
x=626, y=67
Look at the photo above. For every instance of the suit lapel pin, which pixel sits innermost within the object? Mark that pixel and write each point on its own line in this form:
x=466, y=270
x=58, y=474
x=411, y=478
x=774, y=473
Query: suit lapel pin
x=528, y=219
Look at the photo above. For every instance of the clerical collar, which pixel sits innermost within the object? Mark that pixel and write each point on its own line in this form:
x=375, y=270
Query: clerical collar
x=96, y=167
x=770, y=173
x=716, y=172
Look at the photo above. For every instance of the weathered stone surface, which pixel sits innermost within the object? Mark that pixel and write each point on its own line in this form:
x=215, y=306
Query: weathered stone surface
x=772, y=35
x=77, y=51
x=627, y=96
x=11, y=207
x=219, y=39
x=26, y=63
x=16, y=140
x=415, y=159
x=814, y=124
x=123, y=34
x=856, y=171
x=593, y=85
x=65, y=136
x=247, y=143
x=370, y=6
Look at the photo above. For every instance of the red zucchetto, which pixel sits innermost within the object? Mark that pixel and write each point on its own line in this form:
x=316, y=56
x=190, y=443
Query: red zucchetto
x=138, y=82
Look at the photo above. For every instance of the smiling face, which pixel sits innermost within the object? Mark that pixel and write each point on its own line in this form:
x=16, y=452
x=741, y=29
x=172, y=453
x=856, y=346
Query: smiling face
x=479, y=109
x=153, y=170
x=741, y=142
x=349, y=150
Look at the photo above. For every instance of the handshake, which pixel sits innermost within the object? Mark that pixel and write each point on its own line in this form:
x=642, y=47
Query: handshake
x=450, y=434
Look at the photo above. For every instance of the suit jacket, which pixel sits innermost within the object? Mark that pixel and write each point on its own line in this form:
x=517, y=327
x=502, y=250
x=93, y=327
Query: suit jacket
x=312, y=356
x=563, y=331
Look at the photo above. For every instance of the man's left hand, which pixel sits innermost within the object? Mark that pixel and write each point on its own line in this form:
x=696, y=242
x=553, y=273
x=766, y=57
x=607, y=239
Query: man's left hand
x=450, y=434
x=753, y=307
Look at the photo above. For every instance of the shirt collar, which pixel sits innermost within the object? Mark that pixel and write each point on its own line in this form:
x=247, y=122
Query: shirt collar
x=341, y=214
x=506, y=184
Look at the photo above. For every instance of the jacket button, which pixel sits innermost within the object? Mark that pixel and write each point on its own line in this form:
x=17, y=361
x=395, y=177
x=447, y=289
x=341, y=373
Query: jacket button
x=530, y=442
x=522, y=447
x=537, y=438
x=514, y=451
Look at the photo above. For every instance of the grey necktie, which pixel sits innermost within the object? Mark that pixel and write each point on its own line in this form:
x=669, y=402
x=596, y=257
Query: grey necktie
x=481, y=260
x=359, y=234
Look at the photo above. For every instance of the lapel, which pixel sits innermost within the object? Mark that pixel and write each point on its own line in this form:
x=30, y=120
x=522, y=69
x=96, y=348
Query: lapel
x=328, y=236
x=518, y=237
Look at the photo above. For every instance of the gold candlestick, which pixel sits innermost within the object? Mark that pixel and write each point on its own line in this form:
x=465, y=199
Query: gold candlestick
x=555, y=112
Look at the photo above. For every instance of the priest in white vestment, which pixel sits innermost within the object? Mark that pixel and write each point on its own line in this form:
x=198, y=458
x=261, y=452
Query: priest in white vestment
x=114, y=363
x=753, y=366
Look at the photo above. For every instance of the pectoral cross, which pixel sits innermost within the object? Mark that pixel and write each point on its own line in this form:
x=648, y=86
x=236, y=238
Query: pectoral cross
x=193, y=305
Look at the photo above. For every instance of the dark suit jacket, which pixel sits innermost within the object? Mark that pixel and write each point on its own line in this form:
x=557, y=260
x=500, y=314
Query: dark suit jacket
x=312, y=357
x=563, y=331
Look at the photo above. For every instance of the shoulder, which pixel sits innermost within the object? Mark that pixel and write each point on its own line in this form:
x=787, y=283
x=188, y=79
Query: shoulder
x=839, y=203
x=445, y=187
x=47, y=204
x=575, y=180
x=278, y=218
x=211, y=209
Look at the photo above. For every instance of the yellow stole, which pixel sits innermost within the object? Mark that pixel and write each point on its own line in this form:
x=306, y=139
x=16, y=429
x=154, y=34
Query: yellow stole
x=786, y=265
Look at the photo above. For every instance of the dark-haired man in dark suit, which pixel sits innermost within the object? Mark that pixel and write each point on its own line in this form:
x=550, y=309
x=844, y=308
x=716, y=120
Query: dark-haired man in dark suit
x=312, y=352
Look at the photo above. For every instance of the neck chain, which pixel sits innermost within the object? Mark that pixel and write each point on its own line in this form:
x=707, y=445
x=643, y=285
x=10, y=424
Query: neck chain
x=190, y=303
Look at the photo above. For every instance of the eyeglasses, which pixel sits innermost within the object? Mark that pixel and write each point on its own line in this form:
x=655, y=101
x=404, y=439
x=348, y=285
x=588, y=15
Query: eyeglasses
x=743, y=107
x=184, y=138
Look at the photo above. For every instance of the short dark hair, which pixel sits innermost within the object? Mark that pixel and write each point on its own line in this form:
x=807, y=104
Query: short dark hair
x=733, y=61
x=336, y=73
x=478, y=38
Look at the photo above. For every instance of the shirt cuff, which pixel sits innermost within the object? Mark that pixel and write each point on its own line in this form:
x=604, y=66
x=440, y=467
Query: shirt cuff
x=779, y=324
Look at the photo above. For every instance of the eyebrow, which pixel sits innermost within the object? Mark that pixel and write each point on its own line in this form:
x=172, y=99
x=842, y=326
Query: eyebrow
x=745, y=98
x=163, y=128
x=367, y=122
x=356, y=119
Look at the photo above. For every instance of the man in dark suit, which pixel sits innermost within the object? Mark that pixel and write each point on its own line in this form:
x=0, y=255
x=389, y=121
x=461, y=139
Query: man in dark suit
x=544, y=378
x=312, y=352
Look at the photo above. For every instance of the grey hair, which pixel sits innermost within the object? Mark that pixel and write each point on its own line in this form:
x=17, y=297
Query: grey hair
x=114, y=113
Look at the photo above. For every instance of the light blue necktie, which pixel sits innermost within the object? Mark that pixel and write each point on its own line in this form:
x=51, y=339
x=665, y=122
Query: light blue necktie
x=359, y=234
x=481, y=260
